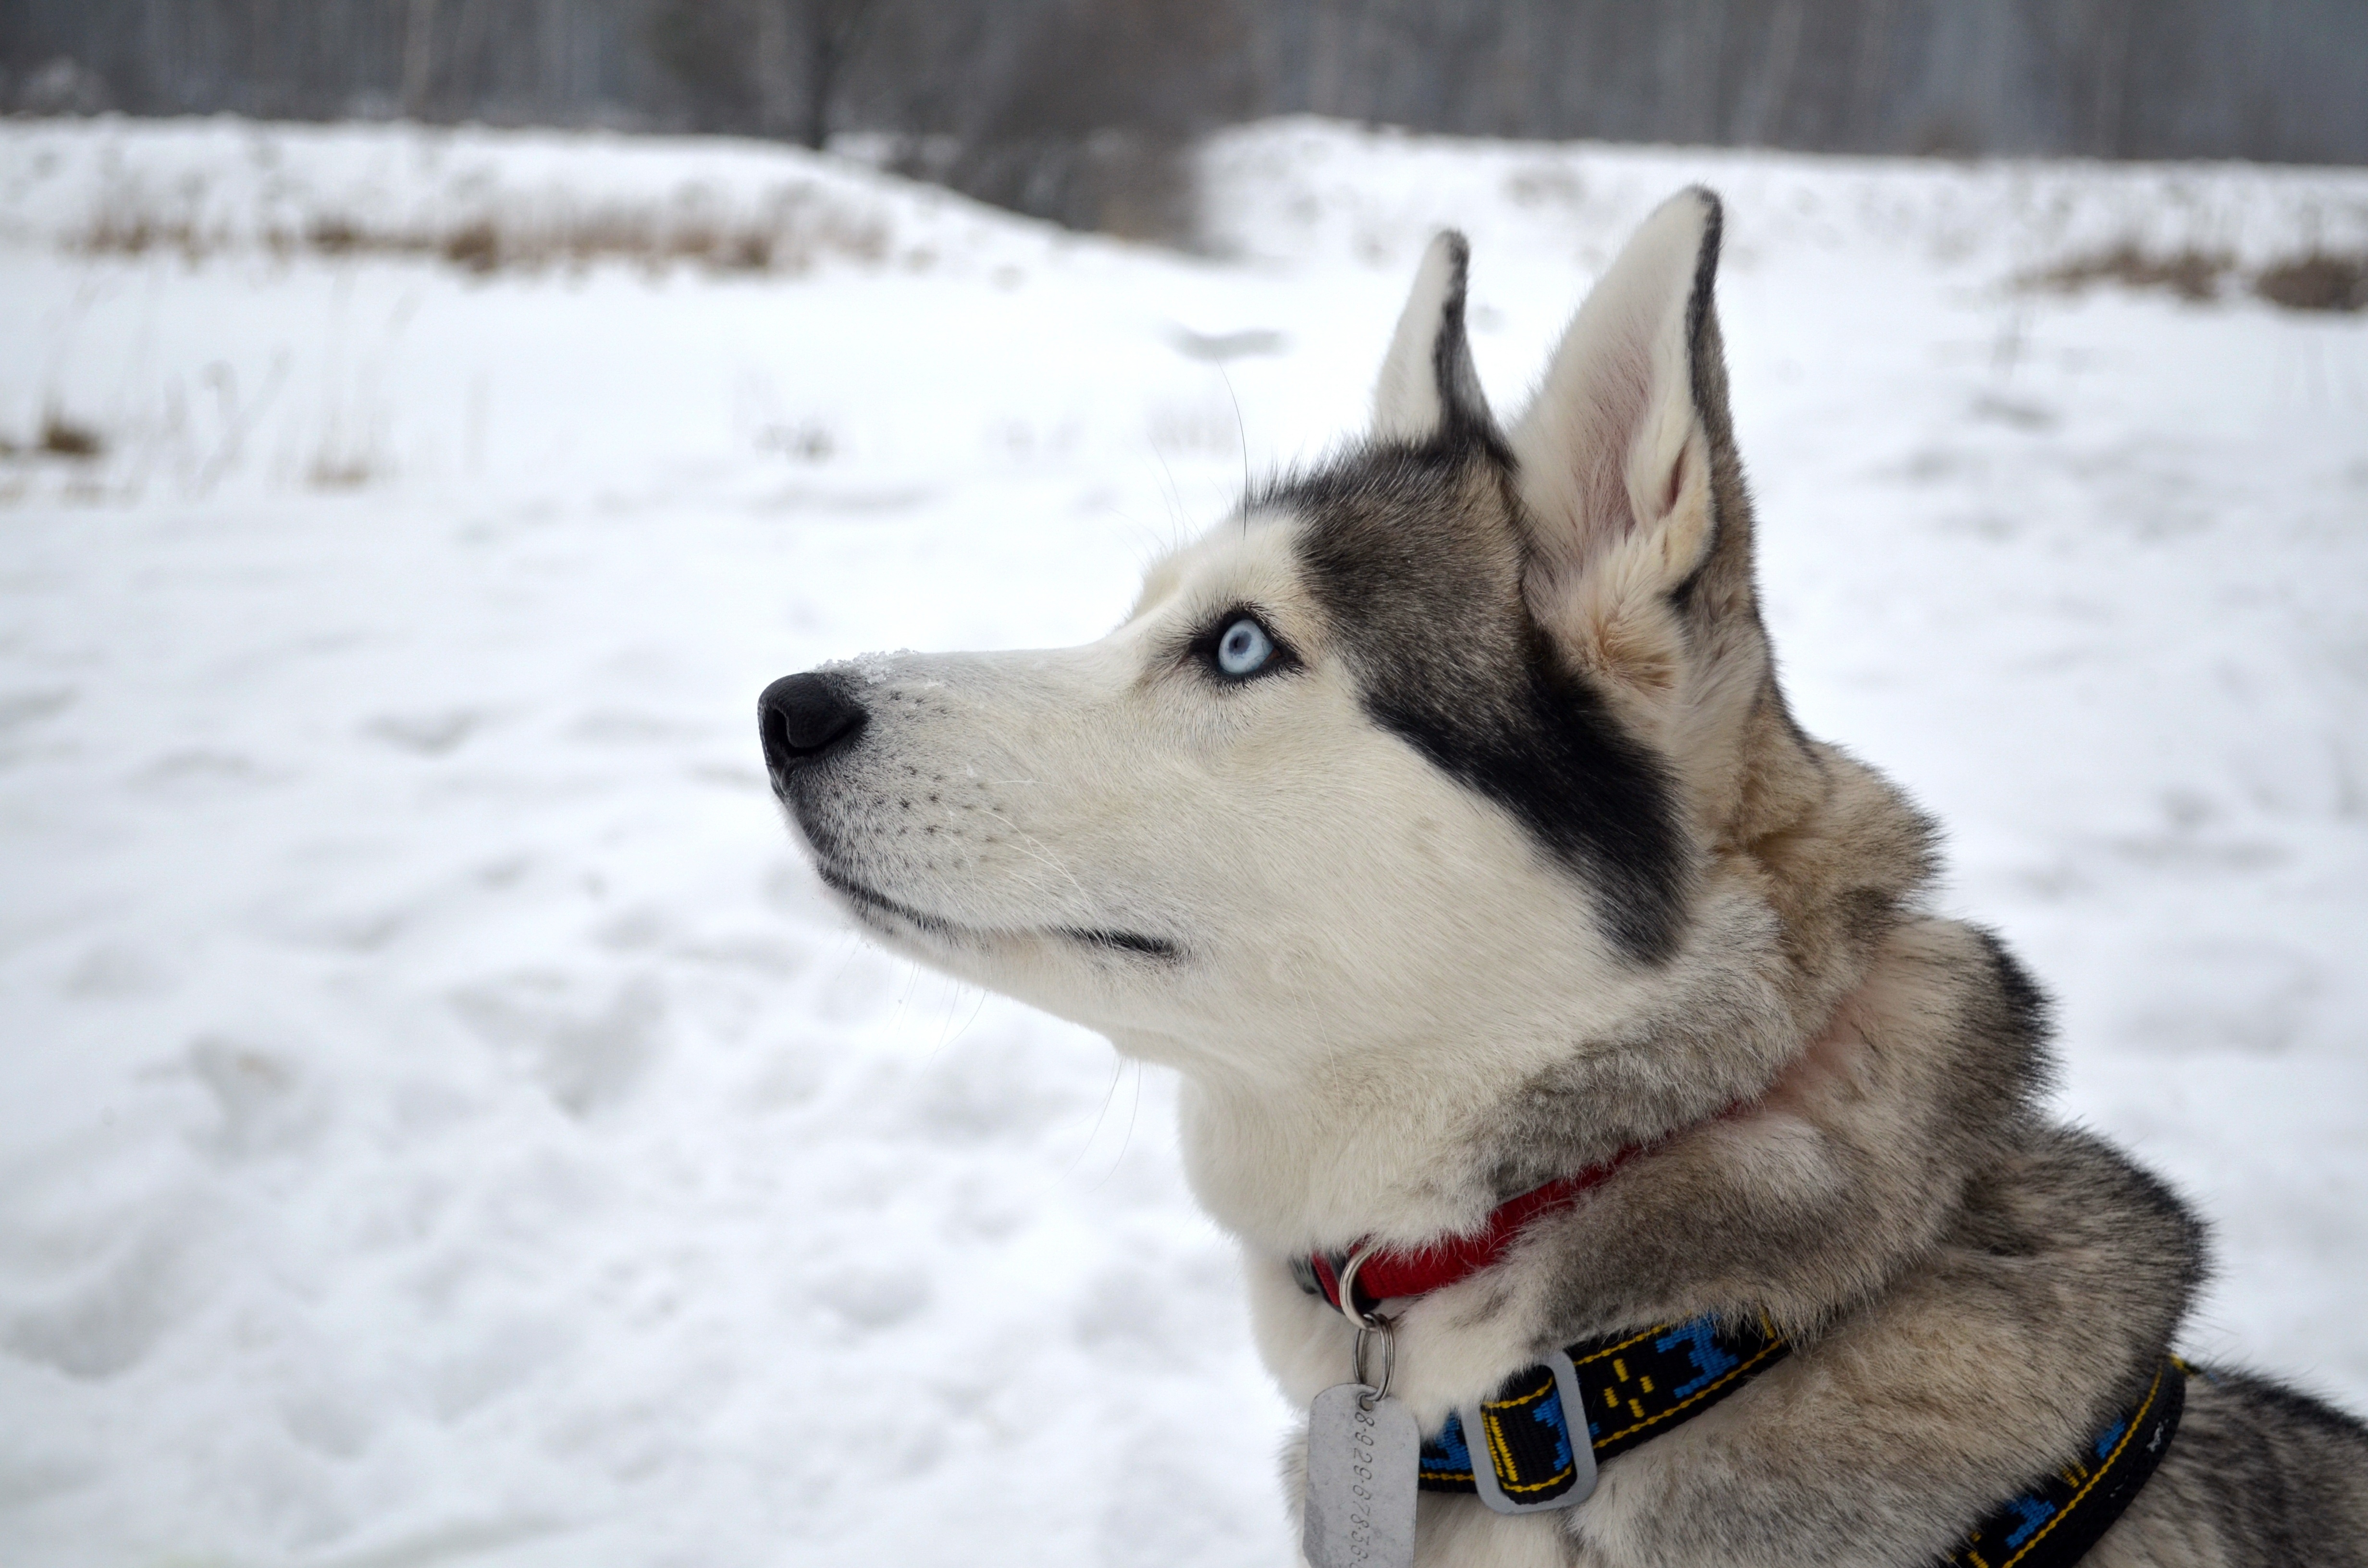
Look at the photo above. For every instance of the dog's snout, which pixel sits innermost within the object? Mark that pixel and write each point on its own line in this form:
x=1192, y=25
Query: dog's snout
x=803, y=718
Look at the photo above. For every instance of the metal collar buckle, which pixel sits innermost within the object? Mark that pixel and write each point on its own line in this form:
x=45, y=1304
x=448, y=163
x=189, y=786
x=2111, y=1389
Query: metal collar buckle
x=1482, y=1445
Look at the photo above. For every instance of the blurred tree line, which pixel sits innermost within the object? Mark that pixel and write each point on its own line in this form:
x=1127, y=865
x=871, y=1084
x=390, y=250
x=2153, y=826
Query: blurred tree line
x=1074, y=109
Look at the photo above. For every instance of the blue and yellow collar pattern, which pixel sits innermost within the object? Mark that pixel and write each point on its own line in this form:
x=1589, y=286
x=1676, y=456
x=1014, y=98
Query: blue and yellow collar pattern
x=1634, y=1387
x=1631, y=1387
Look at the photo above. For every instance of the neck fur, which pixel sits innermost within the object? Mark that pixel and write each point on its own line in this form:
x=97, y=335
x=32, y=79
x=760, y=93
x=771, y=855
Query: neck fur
x=1804, y=968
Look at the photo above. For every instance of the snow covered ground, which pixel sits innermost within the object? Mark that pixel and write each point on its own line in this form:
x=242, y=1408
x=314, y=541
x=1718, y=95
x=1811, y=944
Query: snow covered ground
x=441, y=1123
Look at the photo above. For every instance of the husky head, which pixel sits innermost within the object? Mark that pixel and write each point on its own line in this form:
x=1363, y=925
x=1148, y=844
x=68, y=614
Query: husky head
x=1417, y=797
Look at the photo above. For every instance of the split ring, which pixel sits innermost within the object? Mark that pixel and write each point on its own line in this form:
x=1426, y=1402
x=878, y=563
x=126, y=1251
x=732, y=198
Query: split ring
x=1348, y=1291
x=1389, y=1360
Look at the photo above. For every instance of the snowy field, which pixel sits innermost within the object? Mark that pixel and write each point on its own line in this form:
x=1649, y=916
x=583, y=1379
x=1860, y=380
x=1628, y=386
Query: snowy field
x=440, y=1121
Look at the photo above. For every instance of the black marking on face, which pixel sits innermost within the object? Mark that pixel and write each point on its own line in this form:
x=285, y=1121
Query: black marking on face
x=1415, y=558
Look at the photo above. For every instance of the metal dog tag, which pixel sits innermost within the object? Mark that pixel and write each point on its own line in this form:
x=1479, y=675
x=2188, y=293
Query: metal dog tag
x=1360, y=1480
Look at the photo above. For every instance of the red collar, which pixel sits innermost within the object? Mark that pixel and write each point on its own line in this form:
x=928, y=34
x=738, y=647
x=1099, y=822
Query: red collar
x=1388, y=1272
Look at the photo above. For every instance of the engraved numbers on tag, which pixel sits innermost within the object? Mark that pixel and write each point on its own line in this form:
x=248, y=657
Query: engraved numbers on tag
x=1360, y=1480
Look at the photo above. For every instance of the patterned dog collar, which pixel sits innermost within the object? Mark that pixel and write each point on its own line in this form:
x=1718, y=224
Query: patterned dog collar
x=1632, y=1387
x=2062, y=1514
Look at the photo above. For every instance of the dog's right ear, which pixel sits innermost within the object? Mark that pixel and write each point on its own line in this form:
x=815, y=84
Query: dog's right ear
x=1428, y=387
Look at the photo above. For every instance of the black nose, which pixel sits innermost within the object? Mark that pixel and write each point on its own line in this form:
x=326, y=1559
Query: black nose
x=801, y=717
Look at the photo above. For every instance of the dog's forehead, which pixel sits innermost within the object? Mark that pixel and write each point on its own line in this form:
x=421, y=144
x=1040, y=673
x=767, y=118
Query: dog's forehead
x=1400, y=542
x=1247, y=559
x=1374, y=543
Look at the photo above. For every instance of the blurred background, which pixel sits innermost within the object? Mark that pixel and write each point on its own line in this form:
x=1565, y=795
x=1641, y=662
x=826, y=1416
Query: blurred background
x=442, y=1120
x=1078, y=111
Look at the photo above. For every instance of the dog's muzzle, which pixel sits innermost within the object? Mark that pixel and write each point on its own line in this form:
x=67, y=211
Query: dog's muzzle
x=802, y=719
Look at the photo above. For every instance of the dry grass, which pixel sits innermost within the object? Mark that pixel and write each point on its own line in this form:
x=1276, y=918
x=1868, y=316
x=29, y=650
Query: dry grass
x=2190, y=274
x=341, y=471
x=2319, y=280
x=792, y=229
x=59, y=436
x=63, y=438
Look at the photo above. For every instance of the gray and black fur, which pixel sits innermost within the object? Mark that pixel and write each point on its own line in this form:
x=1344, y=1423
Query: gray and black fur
x=1489, y=702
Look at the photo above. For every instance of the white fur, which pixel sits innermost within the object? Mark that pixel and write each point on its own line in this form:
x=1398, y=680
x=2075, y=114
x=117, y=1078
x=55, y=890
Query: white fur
x=1328, y=882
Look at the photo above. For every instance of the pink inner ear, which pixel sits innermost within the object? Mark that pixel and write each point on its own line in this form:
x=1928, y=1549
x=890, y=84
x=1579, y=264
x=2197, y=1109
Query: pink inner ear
x=1598, y=442
x=1622, y=368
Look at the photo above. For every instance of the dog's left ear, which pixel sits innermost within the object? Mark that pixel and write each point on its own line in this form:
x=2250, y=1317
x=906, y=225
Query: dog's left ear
x=1428, y=387
x=1618, y=452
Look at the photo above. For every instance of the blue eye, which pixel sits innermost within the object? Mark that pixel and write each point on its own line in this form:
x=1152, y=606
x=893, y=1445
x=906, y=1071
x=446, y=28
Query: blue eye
x=1244, y=648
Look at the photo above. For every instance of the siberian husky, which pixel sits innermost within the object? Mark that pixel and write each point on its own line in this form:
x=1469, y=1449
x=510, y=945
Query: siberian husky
x=1563, y=1033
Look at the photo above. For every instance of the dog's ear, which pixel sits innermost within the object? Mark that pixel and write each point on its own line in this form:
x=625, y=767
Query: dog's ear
x=1428, y=387
x=1617, y=453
